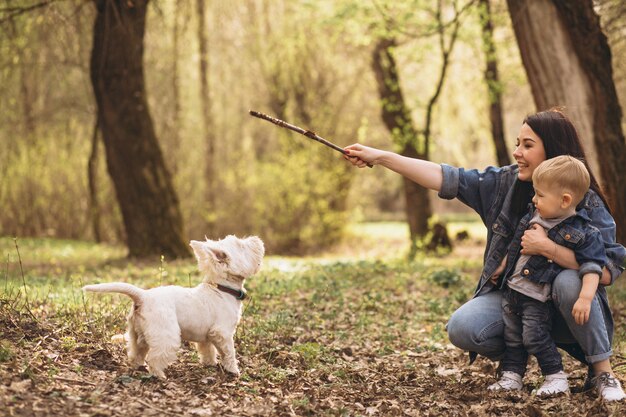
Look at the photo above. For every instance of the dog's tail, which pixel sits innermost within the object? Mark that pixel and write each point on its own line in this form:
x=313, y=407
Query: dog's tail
x=135, y=293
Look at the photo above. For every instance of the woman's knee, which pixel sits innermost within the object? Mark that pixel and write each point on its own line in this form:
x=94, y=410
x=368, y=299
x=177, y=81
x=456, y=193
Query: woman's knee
x=460, y=334
x=477, y=326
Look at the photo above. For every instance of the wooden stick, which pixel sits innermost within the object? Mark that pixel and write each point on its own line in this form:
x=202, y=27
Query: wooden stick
x=309, y=134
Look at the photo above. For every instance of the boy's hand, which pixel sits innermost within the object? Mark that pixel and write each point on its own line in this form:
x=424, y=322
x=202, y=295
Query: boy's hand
x=581, y=311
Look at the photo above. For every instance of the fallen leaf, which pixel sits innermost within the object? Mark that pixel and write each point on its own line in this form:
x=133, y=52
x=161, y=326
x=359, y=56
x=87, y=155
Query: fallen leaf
x=21, y=386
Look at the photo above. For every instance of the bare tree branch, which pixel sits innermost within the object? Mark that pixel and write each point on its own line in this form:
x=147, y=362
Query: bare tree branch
x=445, y=56
x=14, y=11
x=391, y=23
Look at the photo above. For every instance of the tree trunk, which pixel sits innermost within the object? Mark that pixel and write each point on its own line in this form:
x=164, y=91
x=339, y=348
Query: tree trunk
x=417, y=201
x=397, y=118
x=494, y=87
x=92, y=176
x=568, y=62
x=176, y=108
x=148, y=202
x=207, y=119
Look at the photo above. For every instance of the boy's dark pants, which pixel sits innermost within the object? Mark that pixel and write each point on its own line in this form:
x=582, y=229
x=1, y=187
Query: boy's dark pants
x=527, y=325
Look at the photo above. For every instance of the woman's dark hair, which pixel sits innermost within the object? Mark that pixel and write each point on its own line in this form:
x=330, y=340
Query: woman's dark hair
x=559, y=137
x=522, y=195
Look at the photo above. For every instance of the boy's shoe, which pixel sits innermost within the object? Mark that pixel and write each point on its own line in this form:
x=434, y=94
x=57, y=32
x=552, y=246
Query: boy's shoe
x=553, y=384
x=608, y=387
x=508, y=382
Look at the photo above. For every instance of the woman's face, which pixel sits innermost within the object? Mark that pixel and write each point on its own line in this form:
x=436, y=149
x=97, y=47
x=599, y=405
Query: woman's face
x=529, y=152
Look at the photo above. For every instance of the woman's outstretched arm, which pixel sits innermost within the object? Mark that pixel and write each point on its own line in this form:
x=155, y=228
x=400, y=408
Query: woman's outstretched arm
x=425, y=173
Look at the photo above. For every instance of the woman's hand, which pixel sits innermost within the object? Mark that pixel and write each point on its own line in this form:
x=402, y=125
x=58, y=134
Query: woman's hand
x=499, y=270
x=535, y=241
x=359, y=155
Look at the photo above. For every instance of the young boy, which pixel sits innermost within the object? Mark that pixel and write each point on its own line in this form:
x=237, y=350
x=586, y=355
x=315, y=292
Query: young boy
x=560, y=184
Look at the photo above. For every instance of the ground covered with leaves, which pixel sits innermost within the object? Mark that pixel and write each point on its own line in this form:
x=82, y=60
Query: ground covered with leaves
x=319, y=337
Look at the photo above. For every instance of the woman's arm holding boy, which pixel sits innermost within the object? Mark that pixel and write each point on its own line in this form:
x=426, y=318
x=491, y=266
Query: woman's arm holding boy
x=536, y=242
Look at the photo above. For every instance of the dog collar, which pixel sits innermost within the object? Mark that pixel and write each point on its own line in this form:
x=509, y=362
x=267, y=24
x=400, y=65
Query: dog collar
x=238, y=294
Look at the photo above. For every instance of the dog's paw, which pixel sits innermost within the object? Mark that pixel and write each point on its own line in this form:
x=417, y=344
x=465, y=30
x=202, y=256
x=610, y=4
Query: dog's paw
x=232, y=369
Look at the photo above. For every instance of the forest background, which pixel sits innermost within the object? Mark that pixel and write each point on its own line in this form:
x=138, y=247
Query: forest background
x=311, y=63
x=124, y=130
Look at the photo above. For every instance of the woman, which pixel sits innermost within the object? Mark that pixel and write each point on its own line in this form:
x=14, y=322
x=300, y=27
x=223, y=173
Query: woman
x=501, y=196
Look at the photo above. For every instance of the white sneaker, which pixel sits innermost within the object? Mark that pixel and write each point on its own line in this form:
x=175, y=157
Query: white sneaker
x=553, y=384
x=509, y=381
x=609, y=387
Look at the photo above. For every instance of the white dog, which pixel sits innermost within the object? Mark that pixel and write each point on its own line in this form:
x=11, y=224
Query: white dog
x=207, y=314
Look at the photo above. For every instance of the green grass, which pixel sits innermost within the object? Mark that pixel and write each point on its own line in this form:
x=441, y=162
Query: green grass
x=58, y=251
x=399, y=230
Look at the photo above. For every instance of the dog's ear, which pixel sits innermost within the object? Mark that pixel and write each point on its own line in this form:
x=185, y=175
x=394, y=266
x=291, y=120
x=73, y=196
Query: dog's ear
x=203, y=251
x=257, y=248
x=199, y=249
x=219, y=255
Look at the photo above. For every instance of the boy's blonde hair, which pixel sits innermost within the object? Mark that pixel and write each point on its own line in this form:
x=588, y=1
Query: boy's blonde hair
x=564, y=173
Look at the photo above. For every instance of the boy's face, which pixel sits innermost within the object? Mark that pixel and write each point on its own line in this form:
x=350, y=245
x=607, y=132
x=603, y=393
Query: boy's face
x=552, y=203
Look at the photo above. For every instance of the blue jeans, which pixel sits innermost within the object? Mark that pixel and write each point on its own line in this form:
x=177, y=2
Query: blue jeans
x=527, y=326
x=477, y=325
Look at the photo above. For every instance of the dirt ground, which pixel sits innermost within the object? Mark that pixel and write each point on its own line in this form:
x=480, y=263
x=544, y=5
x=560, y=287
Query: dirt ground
x=94, y=380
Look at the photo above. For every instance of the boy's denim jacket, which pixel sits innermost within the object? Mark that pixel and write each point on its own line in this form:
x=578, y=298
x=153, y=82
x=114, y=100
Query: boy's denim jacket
x=574, y=233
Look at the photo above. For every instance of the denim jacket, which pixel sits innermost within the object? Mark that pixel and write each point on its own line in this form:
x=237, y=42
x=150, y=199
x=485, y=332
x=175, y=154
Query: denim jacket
x=574, y=233
x=490, y=193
